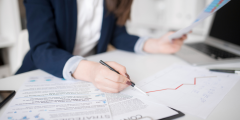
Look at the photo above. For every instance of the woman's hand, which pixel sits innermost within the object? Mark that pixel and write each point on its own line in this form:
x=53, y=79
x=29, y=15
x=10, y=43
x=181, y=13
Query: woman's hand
x=102, y=77
x=164, y=45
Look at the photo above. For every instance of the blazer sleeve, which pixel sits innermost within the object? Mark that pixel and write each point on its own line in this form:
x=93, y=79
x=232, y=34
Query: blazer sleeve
x=122, y=40
x=46, y=50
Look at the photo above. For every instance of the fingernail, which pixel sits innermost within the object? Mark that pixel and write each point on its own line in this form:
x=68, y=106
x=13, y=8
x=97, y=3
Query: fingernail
x=129, y=83
x=127, y=76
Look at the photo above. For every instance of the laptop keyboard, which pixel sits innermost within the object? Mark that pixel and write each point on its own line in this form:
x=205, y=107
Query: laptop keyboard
x=212, y=51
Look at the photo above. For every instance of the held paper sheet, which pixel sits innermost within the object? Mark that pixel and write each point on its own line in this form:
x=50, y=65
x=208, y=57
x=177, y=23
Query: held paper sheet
x=212, y=8
x=189, y=89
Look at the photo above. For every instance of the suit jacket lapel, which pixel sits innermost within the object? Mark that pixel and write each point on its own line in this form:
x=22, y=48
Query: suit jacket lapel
x=71, y=17
x=105, y=36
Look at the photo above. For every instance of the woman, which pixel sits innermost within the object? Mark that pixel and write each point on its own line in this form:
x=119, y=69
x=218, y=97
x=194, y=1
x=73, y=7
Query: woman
x=63, y=32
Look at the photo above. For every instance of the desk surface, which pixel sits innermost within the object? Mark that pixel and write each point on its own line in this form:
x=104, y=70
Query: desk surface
x=140, y=67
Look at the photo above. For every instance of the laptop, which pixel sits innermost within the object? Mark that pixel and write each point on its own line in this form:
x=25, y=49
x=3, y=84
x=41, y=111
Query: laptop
x=222, y=45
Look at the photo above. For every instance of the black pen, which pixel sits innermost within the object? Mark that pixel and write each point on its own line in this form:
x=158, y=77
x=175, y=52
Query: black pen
x=131, y=83
x=225, y=71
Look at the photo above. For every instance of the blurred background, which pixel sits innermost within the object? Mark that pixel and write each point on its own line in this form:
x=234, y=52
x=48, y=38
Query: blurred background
x=150, y=18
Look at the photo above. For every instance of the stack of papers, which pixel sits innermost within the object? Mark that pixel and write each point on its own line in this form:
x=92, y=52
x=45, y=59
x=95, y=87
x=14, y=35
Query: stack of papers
x=48, y=97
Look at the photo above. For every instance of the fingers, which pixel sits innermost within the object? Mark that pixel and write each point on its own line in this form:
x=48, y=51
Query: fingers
x=184, y=37
x=168, y=46
x=178, y=41
x=113, y=76
x=121, y=69
x=110, y=81
x=109, y=86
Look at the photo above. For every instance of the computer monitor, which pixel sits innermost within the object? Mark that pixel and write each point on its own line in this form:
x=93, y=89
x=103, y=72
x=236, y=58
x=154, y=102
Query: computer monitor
x=226, y=24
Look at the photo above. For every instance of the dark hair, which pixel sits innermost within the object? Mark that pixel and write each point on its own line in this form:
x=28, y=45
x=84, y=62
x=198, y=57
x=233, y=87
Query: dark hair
x=121, y=9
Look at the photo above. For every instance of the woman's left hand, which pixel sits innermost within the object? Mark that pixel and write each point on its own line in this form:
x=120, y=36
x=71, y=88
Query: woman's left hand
x=164, y=45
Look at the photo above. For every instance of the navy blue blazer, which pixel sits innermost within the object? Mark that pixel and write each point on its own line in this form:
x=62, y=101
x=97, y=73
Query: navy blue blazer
x=52, y=26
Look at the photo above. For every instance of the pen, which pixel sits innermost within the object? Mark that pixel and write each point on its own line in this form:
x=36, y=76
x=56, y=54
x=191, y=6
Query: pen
x=131, y=83
x=225, y=71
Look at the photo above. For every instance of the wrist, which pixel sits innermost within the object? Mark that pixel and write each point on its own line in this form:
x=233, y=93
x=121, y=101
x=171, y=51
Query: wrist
x=150, y=46
x=84, y=70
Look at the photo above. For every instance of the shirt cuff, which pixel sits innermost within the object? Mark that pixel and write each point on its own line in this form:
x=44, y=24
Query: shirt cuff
x=70, y=66
x=138, y=48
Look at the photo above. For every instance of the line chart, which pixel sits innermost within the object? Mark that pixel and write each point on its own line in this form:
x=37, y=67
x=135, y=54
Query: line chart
x=195, y=82
x=215, y=5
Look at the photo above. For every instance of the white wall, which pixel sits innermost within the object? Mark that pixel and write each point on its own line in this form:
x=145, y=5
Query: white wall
x=9, y=29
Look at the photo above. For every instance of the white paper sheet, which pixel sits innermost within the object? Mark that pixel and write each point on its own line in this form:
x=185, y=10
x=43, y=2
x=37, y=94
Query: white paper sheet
x=189, y=89
x=51, y=98
x=44, y=98
x=212, y=8
x=125, y=107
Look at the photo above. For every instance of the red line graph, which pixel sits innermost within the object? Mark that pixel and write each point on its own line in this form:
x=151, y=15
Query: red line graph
x=195, y=79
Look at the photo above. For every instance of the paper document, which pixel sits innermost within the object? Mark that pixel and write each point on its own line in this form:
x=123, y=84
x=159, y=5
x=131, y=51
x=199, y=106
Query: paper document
x=45, y=98
x=189, y=89
x=52, y=98
x=125, y=107
x=212, y=8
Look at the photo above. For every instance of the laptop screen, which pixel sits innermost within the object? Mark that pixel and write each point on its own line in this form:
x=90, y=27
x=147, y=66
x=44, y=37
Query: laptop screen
x=226, y=24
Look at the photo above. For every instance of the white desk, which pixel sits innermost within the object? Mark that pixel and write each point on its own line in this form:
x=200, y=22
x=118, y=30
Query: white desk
x=140, y=67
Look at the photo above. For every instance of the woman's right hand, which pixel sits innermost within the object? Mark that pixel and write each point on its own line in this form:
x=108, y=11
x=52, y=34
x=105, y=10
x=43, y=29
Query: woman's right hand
x=102, y=77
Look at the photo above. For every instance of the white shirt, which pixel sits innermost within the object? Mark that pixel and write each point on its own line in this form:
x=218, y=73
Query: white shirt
x=90, y=13
x=89, y=23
